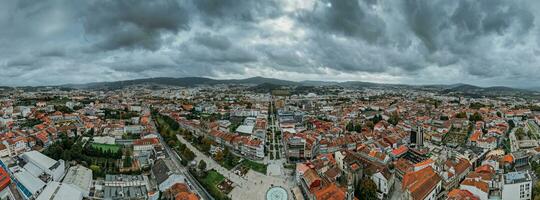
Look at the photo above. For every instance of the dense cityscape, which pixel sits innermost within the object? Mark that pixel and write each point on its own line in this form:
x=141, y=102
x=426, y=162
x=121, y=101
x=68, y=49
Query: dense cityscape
x=269, y=100
x=246, y=141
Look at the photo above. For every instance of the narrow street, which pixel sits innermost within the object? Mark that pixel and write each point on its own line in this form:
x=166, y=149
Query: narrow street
x=513, y=140
x=191, y=180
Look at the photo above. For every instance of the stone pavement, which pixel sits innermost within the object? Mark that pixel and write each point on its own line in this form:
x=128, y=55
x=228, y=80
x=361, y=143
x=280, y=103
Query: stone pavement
x=252, y=186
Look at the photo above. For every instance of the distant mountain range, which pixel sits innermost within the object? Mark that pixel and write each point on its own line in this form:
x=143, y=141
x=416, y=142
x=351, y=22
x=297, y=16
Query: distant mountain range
x=184, y=82
x=261, y=84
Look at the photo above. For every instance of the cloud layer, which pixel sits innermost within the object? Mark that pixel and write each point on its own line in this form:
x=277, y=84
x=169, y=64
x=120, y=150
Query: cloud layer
x=484, y=42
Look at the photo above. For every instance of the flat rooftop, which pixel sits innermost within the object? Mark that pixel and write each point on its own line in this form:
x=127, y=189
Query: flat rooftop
x=516, y=177
x=39, y=159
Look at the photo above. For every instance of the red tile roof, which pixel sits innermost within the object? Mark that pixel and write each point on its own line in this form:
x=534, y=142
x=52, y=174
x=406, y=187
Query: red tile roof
x=330, y=192
x=421, y=182
x=475, y=136
x=457, y=194
x=146, y=141
x=426, y=162
x=508, y=158
x=4, y=179
x=312, y=178
x=400, y=150
x=478, y=184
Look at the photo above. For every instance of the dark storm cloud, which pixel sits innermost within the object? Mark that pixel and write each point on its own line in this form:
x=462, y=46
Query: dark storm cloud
x=413, y=41
x=133, y=24
x=469, y=31
x=465, y=21
x=237, y=10
x=351, y=18
x=52, y=52
x=205, y=53
x=213, y=41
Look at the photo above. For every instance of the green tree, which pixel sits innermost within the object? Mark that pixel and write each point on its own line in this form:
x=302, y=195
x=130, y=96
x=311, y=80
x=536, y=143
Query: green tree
x=182, y=147
x=127, y=161
x=358, y=128
x=366, y=190
x=66, y=155
x=219, y=156
x=350, y=126
x=476, y=117
x=370, y=124
x=96, y=171
x=202, y=165
x=206, y=144
x=188, y=154
x=376, y=119
x=394, y=118
x=90, y=132
x=461, y=115
x=536, y=191
x=520, y=133
x=171, y=143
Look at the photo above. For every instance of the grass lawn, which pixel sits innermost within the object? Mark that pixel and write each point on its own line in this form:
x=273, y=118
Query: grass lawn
x=162, y=123
x=289, y=166
x=230, y=163
x=210, y=182
x=258, y=167
x=457, y=137
x=105, y=147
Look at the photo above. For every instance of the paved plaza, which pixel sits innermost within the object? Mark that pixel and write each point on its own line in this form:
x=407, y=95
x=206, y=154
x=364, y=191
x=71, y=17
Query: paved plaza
x=253, y=185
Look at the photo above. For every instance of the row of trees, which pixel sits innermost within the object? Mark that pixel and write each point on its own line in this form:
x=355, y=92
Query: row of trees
x=31, y=123
x=168, y=128
x=226, y=158
x=535, y=166
x=101, y=152
x=63, y=109
x=521, y=134
x=119, y=114
x=474, y=117
x=351, y=126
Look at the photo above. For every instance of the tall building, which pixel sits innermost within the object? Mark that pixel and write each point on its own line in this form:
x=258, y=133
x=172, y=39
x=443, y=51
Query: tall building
x=417, y=135
x=350, y=187
x=517, y=186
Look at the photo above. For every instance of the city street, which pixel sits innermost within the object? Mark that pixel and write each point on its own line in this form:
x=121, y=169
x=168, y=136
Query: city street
x=191, y=180
x=513, y=140
x=273, y=126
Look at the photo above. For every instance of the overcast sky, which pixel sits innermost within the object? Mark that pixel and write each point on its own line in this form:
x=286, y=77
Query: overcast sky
x=482, y=42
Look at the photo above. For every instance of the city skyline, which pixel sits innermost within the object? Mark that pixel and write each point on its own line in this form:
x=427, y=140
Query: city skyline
x=484, y=43
x=270, y=99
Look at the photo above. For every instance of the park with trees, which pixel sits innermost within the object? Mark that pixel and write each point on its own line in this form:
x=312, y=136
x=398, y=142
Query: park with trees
x=100, y=160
